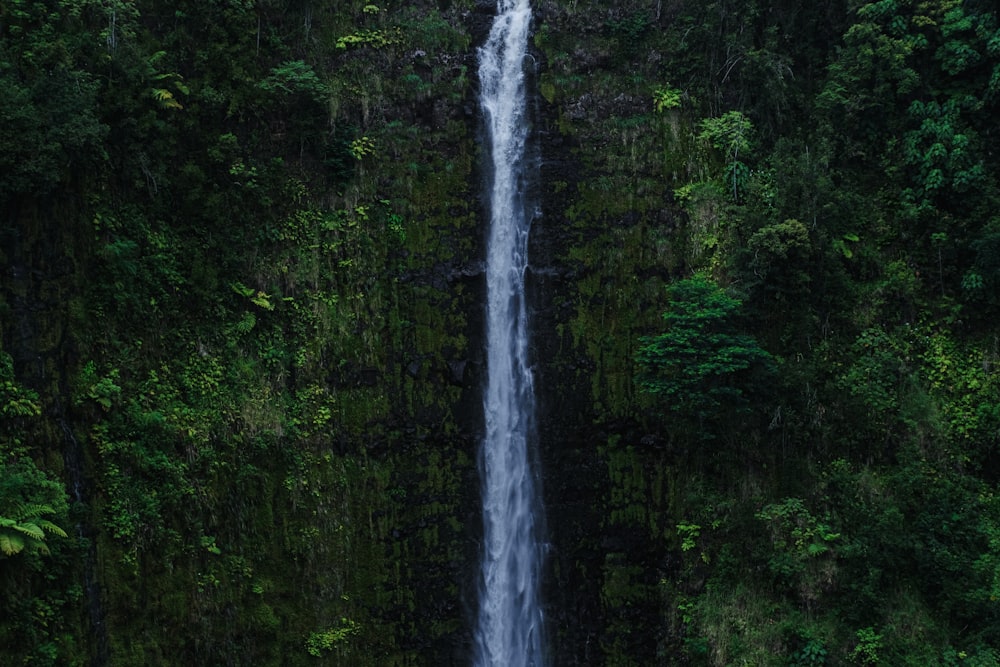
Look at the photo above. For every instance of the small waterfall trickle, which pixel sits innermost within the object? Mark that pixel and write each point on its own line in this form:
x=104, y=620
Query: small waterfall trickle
x=73, y=456
x=509, y=628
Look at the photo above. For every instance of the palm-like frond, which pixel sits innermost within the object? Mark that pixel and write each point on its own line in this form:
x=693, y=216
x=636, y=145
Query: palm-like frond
x=28, y=511
x=30, y=529
x=24, y=529
x=11, y=543
x=50, y=527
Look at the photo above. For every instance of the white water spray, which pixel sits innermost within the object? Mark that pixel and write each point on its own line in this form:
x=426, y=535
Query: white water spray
x=509, y=625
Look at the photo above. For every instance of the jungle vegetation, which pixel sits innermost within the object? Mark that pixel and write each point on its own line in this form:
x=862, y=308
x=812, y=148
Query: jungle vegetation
x=240, y=309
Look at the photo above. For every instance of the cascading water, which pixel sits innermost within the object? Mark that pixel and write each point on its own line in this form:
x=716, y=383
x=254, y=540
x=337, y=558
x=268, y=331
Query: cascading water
x=509, y=625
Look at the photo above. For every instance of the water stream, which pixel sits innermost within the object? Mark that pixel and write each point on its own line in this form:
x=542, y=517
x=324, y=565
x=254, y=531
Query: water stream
x=73, y=456
x=509, y=631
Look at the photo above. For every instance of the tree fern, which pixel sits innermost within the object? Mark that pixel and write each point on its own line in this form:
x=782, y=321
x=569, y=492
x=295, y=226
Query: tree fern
x=22, y=528
x=10, y=543
x=30, y=529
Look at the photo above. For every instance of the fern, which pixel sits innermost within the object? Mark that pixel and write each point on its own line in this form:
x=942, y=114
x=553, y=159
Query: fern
x=241, y=289
x=11, y=543
x=24, y=529
x=246, y=323
x=25, y=511
x=665, y=98
x=165, y=98
x=50, y=527
x=263, y=300
x=30, y=529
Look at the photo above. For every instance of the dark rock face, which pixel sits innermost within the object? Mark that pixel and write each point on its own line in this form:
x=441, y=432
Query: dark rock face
x=572, y=473
x=589, y=220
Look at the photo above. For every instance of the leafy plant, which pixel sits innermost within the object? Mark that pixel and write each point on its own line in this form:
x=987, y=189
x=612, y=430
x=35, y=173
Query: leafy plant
x=731, y=133
x=795, y=529
x=15, y=400
x=162, y=82
x=841, y=244
x=376, y=39
x=362, y=147
x=23, y=528
x=28, y=502
x=701, y=363
x=689, y=532
x=866, y=651
x=103, y=390
x=331, y=638
x=802, y=556
x=665, y=98
x=812, y=654
x=295, y=78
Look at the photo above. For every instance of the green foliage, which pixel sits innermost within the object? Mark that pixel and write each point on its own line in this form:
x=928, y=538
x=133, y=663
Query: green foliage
x=779, y=256
x=986, y=657
x=248, y=312
x=103, y=390
x=332, y=639
x=376, y=39
x=866, y=651
x=795, y=529
x=628, y=29
x=16, y=401
x=861, y=231
x=803, y=559
x=876, y=375
x=22, y=528
x=942, y=152
x=222, y=305
x=27, y=498
x=812, y=654
x=982, y=282
x=31, y=503
x=874, y=70
x=164, y=96
x=967, y=387
x=666, y=98
x=362, y=147
x=47, y=127
x=701, y=365
x=293, y=79
x=688, y=532
x=731, y=134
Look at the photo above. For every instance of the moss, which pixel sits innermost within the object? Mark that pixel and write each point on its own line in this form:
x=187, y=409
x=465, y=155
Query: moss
x=547, y=88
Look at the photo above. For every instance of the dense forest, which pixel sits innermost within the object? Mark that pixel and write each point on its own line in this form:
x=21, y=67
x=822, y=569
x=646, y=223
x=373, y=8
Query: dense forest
x=242, y=351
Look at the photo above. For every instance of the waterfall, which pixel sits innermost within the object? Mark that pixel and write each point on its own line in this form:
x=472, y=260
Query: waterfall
x=508, y=629
x=73, y=458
